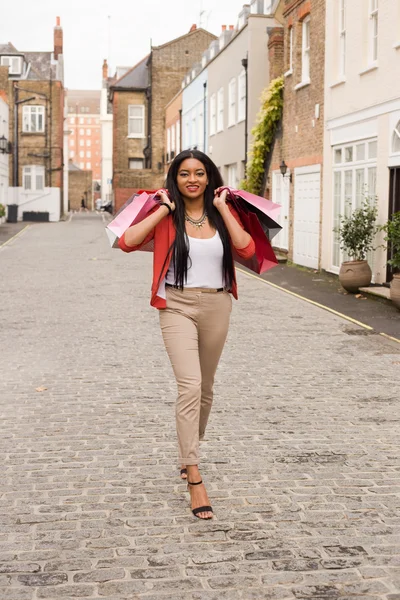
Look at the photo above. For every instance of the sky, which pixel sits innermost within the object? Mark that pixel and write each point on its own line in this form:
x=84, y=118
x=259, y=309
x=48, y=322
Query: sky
x=119, y=30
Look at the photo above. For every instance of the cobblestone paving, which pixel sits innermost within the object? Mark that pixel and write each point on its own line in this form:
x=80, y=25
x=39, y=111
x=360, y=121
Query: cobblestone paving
x=301, y=459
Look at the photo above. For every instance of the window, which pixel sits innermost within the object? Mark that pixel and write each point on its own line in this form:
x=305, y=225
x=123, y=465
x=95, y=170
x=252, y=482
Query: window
x=82, y=165
x=220, y=110
x=232, y=102
x=81, y=120
x=213, y=115
x=232, y=176
x=136, y=121
x=242, y=96
x=88, y=121
x=88, y=154
x=72, y=142
x=72, y=120
x=71, y=154
x=136, y=163
x=342, y=38
x=88, y=165
x=33, y=178
x=354, y=178
x=396, y=139
x=168, y=144
x=178, y=137
x=81, y=132
x=14, y=64
x=81, y=154
x=81, y=142
x=33, y=119
x=173, y=140
x=88, y=132
x=88, y=142
x=305, y=54
x=200, y=131
x=373, y=30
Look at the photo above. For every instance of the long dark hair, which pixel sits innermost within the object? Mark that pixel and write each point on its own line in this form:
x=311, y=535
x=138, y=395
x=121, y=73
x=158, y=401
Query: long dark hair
x=180, y=248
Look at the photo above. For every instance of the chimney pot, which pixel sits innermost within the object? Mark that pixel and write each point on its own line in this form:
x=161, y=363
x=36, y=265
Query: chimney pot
x=57, y=21
x=223, y=27
x=105, y=69
x=231, y=27
x=193, y=28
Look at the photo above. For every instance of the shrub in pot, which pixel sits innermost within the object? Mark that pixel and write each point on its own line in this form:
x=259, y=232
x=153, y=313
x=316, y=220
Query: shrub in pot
x=392, y=238
x=356, y=231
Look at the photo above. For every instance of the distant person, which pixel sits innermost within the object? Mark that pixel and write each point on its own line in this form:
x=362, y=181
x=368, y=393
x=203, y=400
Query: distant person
x=83, y=205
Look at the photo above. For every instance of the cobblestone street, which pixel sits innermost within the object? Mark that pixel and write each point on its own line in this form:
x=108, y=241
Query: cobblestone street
x=301, y=457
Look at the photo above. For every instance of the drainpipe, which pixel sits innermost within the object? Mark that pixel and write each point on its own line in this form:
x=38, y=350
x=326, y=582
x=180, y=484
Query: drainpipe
x=245, y=63
x=205, y=116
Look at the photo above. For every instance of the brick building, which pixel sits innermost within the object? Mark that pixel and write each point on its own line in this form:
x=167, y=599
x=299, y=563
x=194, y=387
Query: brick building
x=79, y=186
x=34, y=81
x=139, y=99
x=84, y=140
x=299, y=145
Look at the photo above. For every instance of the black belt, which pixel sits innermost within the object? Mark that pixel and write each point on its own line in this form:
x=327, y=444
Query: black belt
x=206, y=290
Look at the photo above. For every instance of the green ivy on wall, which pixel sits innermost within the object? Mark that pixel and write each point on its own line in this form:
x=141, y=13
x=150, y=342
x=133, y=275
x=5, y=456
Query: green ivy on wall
x=263, y=132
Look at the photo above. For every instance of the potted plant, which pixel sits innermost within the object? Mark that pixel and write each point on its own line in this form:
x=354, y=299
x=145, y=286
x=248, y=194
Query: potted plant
x=356, y=233
x=2, y=213
x=392, y=238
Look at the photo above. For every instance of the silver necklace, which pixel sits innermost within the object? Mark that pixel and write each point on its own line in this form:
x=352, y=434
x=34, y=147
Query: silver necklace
x=197, y=222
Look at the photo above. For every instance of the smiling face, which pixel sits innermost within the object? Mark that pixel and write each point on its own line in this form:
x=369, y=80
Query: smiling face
x=192, y=179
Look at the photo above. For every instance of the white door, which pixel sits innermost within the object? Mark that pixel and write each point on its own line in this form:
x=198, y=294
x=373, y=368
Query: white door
x=306, y=216
x=280, y=195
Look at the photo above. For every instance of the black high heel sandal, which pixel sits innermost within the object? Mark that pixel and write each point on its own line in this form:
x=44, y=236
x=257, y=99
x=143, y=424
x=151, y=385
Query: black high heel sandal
x=200, y=509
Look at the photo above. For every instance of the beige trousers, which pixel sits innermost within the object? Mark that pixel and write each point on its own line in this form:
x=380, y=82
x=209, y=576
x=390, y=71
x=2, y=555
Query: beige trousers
x=194, y=328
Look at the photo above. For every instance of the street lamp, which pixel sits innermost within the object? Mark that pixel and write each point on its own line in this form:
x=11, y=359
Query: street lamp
x=5, y=146
x=283, y=170
x=245, y=63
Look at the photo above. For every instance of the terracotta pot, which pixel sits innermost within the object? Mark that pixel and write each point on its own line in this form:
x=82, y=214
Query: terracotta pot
x=354, y=274
x=395, y=290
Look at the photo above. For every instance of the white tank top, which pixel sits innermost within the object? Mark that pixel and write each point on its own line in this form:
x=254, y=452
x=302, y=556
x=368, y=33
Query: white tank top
x=205, y=265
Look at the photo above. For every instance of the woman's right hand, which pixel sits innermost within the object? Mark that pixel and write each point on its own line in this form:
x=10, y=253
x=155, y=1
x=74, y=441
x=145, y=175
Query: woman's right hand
x=163, y=194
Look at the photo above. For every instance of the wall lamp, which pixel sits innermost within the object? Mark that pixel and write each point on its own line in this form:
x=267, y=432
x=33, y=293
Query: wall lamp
x=5, y=145
x=283, y=170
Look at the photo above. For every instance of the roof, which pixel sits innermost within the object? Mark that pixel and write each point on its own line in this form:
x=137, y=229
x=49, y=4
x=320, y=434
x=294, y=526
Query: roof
x=185, y=35
x=41, y=64
x=136, y=78
x=89, y=99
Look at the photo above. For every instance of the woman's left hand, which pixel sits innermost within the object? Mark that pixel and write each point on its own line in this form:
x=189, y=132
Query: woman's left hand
x=220, y=198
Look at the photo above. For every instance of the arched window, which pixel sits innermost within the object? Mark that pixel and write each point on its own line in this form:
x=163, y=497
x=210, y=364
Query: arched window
x=396, y=139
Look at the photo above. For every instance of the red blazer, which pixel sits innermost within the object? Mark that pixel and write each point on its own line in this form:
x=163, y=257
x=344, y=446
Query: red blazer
x=164, y=236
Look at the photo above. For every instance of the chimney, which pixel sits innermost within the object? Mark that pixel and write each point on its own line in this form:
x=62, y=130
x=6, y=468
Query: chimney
x=231, y=27
x=223, y=27
x=58, y=39
x=193, y=28
x=105, y=69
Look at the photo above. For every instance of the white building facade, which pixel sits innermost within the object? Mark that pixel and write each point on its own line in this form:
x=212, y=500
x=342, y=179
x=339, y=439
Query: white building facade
x=106, y=123
x=362, y=113
x=4, y=157
x=194, y=111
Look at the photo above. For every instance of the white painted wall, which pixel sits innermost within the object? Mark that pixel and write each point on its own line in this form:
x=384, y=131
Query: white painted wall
x=46, y=201
x=363, y=103
x=4, y=158
x=106, y=122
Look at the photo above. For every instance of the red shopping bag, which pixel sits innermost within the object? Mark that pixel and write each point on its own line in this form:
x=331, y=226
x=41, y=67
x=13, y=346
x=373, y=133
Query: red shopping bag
x=132, y=212
x=264, y=257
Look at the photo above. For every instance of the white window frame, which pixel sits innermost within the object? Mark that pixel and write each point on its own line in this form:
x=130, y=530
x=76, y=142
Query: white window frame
x=33, y=118
x=342, y=38
x=200, y=130
x=131, y=162
x=349, y=171
x=14, y=64
x=220, y=110
x=132, y=118
x=241, y=97
x=232, y=175
x=88, y=132
x=89, y=166
x=81, y=132
x=168, y=144
x=396, y=137
x=305, y=51
x=173, y=140
x=373, y=31
x=178, y=137
x=35, y=174
x=213, y=115
x=88, y=154
x=81, y=142
x=88, y=142
x=81, y=154
x=72, y=142
x=232, y=102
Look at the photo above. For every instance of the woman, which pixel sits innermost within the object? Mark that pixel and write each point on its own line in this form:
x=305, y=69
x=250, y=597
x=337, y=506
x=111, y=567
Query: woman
x=194, y=230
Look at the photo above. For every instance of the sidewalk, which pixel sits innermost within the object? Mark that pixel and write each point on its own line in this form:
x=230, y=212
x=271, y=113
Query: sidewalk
x=325, y=289
x=301, y=458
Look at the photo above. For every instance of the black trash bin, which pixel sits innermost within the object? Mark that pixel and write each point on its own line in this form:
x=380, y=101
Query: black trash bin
x=12, y=213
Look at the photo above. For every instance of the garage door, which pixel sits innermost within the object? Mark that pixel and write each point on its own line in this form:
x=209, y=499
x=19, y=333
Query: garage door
x=306, y=216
